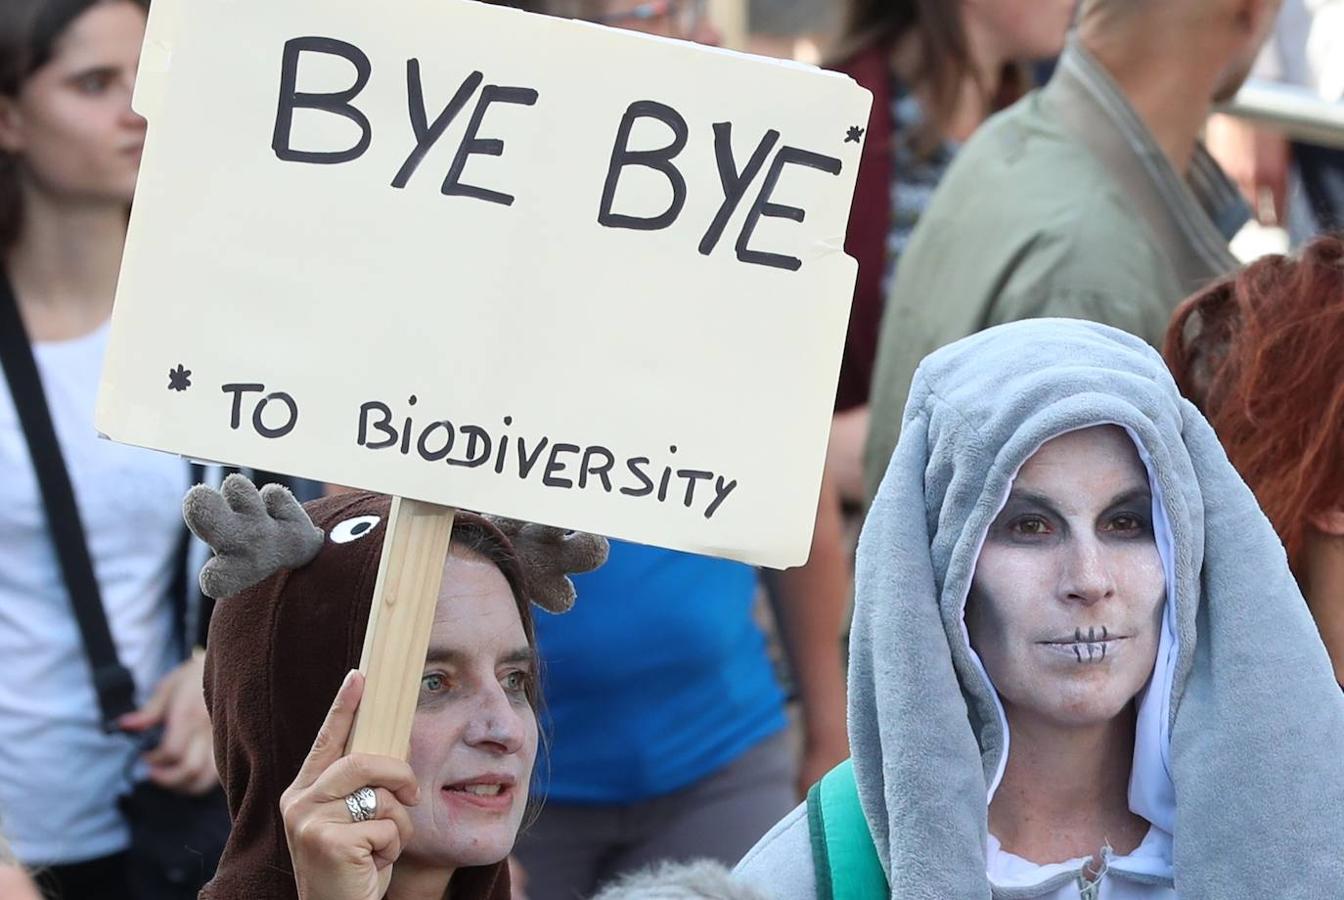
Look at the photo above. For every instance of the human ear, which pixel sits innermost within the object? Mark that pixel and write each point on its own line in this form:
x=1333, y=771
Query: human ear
x=11, y=120
x=1256, y=18
x=1328, y=521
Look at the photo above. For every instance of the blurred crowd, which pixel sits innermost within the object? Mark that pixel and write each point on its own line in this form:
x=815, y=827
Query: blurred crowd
x=1024, y=159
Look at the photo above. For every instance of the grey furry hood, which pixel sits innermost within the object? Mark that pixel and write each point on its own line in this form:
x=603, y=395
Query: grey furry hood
x=1239, y=751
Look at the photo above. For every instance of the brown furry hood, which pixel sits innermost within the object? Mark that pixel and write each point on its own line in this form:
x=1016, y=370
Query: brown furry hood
x=278, y=652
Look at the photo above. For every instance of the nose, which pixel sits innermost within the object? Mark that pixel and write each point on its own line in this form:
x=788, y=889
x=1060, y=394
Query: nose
x=132, y=120
x=129, y=118
x=1087, y=577
x=497, y=724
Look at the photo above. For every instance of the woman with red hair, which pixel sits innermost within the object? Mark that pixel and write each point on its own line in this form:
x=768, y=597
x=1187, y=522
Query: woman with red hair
x=1261, y=353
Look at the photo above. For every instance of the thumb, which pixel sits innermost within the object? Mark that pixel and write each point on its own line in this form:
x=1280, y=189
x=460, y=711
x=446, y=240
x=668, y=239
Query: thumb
x=329, y=745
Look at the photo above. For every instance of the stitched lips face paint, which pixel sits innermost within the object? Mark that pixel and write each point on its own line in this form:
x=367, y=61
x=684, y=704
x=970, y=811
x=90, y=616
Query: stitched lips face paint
x=1092, y=646
x=1067, y=596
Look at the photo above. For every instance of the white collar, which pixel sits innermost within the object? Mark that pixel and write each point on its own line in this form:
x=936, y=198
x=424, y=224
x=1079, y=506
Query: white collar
x=1150, y=860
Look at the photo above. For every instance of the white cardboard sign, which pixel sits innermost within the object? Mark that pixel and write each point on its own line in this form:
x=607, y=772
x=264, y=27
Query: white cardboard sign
x=492, y=260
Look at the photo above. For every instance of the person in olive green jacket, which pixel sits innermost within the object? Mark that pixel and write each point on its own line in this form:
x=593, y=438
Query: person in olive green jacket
x=1091, y=198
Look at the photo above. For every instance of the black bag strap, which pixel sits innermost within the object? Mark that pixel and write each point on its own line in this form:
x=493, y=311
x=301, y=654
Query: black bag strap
x=113, y=681
x=183, y=587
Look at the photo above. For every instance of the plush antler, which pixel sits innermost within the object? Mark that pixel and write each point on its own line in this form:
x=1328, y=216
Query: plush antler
x=549, y=555
x=254, y=534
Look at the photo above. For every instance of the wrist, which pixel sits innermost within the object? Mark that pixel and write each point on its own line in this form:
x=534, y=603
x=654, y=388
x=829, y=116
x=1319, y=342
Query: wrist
x=825, y=730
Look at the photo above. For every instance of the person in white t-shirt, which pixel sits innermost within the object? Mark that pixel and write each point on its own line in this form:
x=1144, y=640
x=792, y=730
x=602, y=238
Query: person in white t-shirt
x=69, y=154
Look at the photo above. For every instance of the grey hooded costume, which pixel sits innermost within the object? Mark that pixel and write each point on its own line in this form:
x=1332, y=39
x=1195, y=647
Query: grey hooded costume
x=1239, y=749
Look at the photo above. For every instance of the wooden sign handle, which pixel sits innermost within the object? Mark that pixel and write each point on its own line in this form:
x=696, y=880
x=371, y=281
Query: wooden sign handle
x=404, y=596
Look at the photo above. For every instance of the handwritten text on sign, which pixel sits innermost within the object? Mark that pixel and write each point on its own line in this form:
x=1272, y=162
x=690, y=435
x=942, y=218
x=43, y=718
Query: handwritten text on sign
x=734, y=180
x=477, y=257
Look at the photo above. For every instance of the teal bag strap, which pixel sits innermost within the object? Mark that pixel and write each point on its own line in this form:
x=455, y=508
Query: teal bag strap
x=843, y=855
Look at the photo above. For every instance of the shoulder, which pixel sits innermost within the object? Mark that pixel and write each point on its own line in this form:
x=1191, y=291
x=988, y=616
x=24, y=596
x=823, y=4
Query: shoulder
x=1039, y=213
x=780, y=865
x=1024, y=172
x=1095, y=240
x=1098, y=263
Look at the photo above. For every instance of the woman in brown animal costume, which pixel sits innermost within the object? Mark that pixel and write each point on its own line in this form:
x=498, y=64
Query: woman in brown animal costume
x=309, y=822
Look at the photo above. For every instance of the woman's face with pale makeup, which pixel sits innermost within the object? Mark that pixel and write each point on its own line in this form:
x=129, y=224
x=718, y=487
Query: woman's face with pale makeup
x=1066, y=601
x=474, y=739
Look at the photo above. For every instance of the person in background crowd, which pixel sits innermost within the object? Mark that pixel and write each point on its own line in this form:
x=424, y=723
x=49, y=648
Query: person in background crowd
x=937, y=70
x=669, y=732
x=1306, y=51
x=69, y=153
x=1259, y=354
x=1091, y=198
x=1075, y=638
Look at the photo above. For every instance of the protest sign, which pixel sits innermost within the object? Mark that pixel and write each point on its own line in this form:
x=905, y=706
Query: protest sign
x=473, y=257
x=483, y=258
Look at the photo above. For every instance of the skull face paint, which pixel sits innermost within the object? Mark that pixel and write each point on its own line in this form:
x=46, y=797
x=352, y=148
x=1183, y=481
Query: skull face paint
x=1066, y=601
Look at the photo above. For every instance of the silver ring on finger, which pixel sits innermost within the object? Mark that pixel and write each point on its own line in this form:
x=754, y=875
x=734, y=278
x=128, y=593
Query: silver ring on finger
x=363, y=804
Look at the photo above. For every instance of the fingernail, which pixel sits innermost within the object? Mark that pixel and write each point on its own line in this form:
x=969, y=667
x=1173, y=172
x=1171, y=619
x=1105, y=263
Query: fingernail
x=345, y=684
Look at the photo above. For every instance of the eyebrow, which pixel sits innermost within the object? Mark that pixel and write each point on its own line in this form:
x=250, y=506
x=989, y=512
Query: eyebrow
x=1133, y=495
x=94, y=69
x=1032, y=498
x=453, y=656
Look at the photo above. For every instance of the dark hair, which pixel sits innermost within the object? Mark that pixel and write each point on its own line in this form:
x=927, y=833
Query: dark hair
x=944, y=52
x=1259, y=354
x=29, y=31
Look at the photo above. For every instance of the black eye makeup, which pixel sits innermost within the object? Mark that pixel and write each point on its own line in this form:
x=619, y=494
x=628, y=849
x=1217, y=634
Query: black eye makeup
x=1129, y=522
x=1031, y=525
x=1026, y=519
x=1030, y=518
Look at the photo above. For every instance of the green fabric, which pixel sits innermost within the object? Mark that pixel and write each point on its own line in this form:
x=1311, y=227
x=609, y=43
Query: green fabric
x=1048, y=211
x=846, y=862
x=816, y=832
x=1035, y=249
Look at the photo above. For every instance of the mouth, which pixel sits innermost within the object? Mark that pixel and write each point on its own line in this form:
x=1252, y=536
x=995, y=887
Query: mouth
x=492, y=793
x=1087, y=647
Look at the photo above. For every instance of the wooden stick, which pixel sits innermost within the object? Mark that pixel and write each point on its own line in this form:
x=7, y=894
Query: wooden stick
x=404, y=596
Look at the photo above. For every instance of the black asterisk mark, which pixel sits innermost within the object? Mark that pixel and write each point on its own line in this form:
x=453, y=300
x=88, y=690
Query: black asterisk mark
x=179, y=379
x=854, y=134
